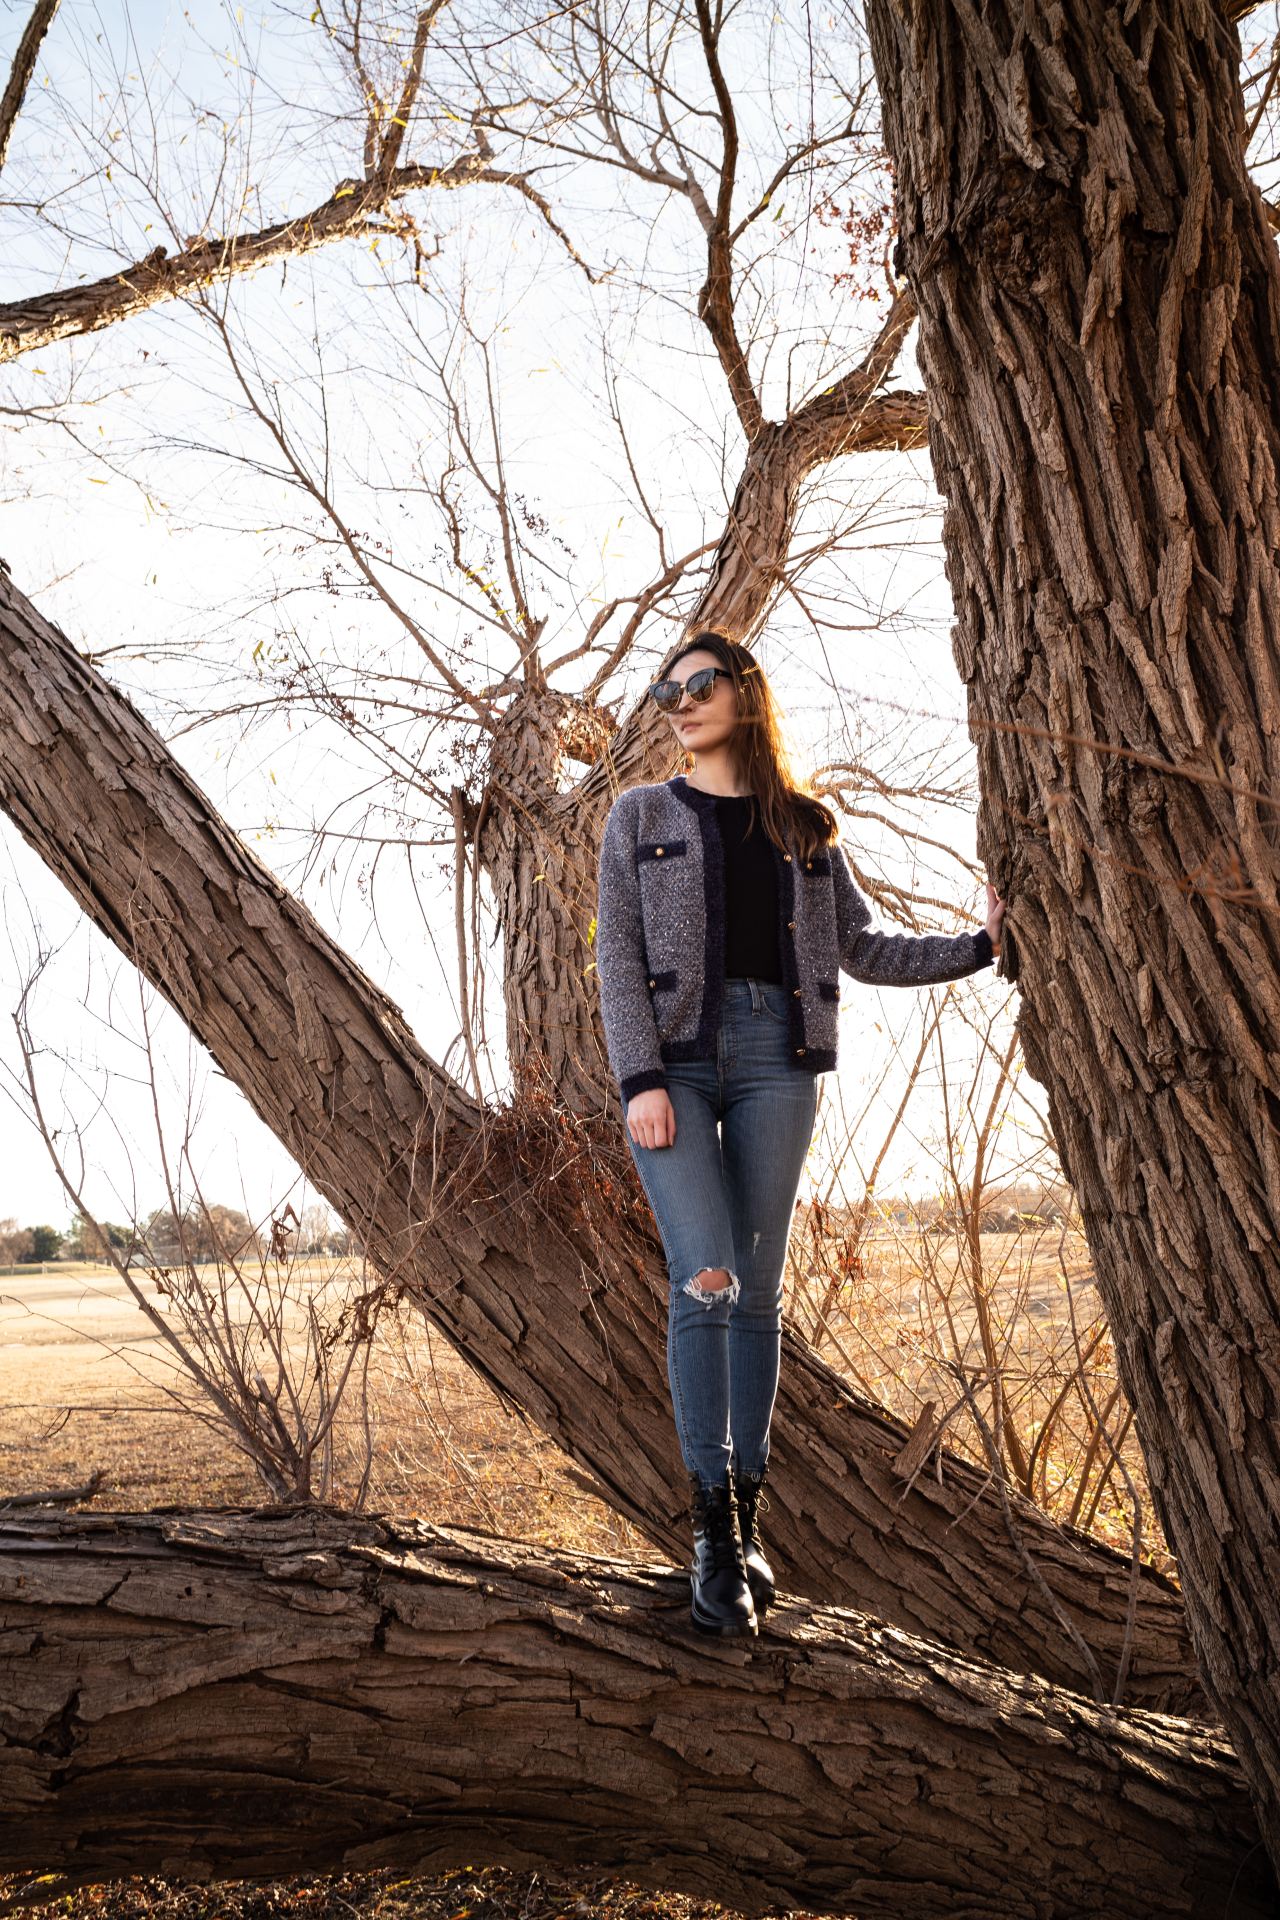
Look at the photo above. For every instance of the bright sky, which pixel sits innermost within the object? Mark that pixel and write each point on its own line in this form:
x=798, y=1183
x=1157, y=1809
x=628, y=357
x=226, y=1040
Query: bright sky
x=151, y=518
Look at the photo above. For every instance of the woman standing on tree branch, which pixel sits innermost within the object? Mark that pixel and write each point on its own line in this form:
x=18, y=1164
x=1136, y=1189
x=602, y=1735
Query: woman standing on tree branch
x=726, y=910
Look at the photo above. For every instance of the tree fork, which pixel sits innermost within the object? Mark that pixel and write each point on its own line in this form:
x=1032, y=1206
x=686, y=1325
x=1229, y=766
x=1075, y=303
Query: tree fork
x=227, y=1694
x=535, y=867
x=1099, y=300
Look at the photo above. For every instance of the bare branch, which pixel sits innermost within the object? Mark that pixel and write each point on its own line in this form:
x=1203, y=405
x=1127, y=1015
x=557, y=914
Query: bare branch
x=24, y=65
x=715, y=302
x=398, y=125
x=353, y=208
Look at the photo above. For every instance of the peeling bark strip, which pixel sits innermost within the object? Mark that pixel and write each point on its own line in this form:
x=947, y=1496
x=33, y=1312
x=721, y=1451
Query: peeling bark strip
x=230, y=1694
x=561, y=1310
x=1099, y=300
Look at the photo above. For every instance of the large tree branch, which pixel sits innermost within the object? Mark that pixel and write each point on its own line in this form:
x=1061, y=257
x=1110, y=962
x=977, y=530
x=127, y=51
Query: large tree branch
x=354, y=207
x=24, y=65
x=534, y=1255
x=230, y=1694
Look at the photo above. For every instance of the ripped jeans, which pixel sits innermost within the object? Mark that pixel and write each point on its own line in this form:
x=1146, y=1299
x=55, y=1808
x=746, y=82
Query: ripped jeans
x=725, y=1199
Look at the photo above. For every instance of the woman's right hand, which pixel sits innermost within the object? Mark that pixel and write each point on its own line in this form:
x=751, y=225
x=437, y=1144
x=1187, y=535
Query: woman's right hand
x=651, y=1118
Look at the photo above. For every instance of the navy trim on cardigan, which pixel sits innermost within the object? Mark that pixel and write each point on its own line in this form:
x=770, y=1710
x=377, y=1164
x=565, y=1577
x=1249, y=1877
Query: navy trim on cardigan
x=641, y=1083
x=787, y=954
x=703, y=807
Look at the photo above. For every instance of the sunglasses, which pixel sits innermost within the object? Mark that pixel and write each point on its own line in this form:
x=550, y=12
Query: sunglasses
x=700, y=685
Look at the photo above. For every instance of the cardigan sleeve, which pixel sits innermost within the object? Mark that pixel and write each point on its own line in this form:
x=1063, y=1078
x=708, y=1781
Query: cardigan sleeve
x=898, y=959
x=630, y=1030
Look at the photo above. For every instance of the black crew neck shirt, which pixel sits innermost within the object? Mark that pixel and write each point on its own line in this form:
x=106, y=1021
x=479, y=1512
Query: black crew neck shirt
x=750, y=891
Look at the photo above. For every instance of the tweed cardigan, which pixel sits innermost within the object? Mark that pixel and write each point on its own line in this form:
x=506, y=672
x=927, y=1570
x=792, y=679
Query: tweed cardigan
x=660, y=929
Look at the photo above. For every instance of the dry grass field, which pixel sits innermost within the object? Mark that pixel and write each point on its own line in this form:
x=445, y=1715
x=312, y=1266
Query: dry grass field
x=87, y=1384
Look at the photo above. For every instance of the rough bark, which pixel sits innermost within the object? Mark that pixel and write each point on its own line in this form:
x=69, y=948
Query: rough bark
x=1099, y=302
x=534, y=1253
x=229, y=1695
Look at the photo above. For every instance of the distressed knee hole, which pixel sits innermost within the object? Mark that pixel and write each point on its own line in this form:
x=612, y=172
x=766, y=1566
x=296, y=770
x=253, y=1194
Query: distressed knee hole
x=710, y=1290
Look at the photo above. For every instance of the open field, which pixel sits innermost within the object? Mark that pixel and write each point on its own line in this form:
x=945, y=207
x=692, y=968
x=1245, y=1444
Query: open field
x=87, y=1383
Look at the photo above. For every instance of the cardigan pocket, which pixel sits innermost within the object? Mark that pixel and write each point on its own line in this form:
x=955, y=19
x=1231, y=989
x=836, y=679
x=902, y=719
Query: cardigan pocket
x=828, y=989
x=659, y=849
x=820, y=864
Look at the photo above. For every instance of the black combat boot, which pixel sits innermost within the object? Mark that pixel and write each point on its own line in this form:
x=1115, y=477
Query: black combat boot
x=759, y=1572
x=721, y=1597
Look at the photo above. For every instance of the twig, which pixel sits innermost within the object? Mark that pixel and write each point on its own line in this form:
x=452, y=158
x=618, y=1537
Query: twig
x=58, y=1496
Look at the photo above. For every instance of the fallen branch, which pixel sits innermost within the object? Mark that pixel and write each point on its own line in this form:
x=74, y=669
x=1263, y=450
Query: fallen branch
x=231, y=1694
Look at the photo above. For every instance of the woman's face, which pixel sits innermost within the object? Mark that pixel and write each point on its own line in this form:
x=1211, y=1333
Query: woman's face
x=701, y=726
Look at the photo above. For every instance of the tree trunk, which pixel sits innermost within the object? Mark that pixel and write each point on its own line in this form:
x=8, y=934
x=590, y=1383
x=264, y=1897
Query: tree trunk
x=532, y=1251
x=1099, y=301
x=523, y=1233
x=231, y=1694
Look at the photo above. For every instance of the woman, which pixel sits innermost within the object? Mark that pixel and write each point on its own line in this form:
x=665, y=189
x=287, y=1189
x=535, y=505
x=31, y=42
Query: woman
x=726, y=910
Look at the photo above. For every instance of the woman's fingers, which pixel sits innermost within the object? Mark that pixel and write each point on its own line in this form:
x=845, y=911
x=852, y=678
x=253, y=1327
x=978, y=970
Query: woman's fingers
x=654, y=1124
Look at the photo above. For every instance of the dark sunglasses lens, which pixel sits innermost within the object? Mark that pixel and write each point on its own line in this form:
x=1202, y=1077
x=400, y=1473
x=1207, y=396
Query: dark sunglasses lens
x=666, y=693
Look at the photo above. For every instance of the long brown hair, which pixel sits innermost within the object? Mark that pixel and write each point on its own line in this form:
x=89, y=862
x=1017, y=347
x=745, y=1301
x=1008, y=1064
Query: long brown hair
x=791, y=814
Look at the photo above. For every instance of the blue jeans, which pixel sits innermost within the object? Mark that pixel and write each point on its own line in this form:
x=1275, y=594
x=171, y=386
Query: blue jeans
x=725, y=1199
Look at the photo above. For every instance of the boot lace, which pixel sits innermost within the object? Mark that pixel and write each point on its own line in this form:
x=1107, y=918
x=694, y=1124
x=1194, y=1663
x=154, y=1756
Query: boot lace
x=722, y=1537
x=752, y=1499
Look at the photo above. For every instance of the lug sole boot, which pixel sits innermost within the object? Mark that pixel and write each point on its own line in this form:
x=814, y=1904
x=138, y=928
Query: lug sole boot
x=747, y=1487
x=721, y=1598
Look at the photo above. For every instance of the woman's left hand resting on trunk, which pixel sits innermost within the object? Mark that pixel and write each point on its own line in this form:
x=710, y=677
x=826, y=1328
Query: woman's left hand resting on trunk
x=995, y=916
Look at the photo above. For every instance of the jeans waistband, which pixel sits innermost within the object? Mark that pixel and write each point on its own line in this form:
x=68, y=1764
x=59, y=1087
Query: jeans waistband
x=745, y=993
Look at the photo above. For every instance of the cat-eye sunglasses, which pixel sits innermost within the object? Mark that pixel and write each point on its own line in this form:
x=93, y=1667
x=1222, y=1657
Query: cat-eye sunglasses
x=700, y=685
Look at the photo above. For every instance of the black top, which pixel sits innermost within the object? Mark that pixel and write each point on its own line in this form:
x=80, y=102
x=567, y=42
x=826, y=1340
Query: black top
x=750, y=891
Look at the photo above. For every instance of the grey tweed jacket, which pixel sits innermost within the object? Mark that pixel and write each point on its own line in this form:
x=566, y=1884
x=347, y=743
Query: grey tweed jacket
x=660, y=929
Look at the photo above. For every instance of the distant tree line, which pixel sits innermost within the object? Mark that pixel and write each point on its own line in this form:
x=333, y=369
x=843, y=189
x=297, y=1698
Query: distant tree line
x=1023, y=1206
x=164, y=1238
